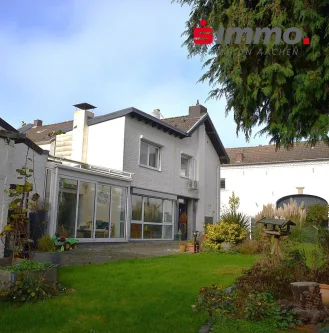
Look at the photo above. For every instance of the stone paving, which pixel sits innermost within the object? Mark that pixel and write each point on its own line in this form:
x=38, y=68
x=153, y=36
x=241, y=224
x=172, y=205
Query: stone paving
x=100, y=253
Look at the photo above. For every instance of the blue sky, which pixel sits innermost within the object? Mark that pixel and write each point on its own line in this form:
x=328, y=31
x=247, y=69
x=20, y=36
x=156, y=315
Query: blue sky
x=111, y=54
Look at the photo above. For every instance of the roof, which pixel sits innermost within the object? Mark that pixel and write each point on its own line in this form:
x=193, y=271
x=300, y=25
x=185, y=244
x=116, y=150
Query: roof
x=181, y=127
x=184, y=123
x=44, y=133
x=267, y=154
x=280, y=222
x=11, y=132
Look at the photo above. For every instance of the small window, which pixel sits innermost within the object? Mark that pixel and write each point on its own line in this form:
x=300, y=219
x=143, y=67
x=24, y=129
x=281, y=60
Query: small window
x=185, y=166
x=222, y=183
x=149, y=155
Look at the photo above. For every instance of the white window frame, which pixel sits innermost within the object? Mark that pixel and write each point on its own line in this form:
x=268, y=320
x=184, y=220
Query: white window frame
x=148, y=143
x=162, y=224
x=190, y=166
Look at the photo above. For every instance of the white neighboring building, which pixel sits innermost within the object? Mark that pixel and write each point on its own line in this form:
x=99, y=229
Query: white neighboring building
x=16, y=152
x=175, y=165
x=261, y=175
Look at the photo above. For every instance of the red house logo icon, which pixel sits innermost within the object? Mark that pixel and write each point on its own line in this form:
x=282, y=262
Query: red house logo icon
x=203, y=34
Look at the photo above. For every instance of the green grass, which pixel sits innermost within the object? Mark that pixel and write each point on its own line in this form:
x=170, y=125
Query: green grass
x=142, y=295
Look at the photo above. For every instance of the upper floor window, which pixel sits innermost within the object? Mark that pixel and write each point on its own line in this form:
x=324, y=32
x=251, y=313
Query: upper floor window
x=186, y=166
x=149, y=155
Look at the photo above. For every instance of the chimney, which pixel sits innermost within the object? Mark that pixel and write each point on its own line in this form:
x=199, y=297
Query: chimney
x=37, y=122
x=80, y=131
x=300, y=190
x=197, y=110
x=156, y=113
x=238, y=157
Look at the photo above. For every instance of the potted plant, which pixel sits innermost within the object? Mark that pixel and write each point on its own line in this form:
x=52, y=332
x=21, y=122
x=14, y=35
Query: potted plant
x=190, y=245
x=46, y=251
x=182, y=245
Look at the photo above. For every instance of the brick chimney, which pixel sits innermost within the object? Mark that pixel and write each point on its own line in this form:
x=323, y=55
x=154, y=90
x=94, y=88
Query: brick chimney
x=37, y=122
x=197, y=110
x=238, y=157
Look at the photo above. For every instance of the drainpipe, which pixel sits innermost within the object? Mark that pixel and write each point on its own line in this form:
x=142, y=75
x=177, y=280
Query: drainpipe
x=218, y=193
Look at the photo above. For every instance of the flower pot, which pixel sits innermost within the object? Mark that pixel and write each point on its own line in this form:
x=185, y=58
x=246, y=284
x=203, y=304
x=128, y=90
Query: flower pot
x=182, y=247
x=191, y=247
x=324, y=290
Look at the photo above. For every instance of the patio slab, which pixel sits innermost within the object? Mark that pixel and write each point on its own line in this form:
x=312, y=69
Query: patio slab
x=101, y=253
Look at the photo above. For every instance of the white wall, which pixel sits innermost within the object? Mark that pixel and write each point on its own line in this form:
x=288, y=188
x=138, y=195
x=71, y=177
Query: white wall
x=106, y=144
x=14, y=156
x=265, y=184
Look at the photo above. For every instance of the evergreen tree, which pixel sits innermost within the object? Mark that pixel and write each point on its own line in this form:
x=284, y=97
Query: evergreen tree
x=283, y=88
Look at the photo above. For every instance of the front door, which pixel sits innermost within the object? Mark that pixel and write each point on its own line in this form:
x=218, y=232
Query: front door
x=182, y=222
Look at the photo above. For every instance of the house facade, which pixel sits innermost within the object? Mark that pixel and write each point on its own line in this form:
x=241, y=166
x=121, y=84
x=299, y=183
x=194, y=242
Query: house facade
x=170, y=167
x=261, y=175
x=16, y=152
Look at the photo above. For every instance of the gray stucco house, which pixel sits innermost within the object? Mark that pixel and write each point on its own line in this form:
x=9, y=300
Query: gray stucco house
x=155, y=169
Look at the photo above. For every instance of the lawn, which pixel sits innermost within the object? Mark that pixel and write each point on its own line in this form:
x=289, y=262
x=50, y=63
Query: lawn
x=141, y=295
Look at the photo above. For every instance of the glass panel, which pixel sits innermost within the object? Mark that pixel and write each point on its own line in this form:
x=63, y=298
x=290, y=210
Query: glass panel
x=136, y=231
x=153, y=156
x=167, y=208
x=67, y=201
x=85, y=226
x=152, y=210
x=103, y=211
x=184, y=166
x=136, y=203
x=118, y=215
x=152, y=231
x=167, y=232
x=143, y=153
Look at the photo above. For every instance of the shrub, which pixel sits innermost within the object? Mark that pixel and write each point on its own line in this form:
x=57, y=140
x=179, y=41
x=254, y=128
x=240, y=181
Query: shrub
x=259, y=306
x=223, y=232
x=28, y=266
x=317, y=215
x=267, y=276
x=236, y=218
x=46, y=244
x=216, y=301
x=262, y=306
x=30, y=289
x=250, y=246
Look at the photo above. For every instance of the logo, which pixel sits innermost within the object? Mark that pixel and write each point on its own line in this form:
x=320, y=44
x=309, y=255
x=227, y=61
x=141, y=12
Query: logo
x=291, y=36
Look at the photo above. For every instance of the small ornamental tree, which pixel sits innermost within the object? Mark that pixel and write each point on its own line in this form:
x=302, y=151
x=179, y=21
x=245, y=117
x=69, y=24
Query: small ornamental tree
x=16, y=230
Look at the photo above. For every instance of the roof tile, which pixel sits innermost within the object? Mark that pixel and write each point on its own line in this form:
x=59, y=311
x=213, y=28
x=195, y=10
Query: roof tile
x=267, y=154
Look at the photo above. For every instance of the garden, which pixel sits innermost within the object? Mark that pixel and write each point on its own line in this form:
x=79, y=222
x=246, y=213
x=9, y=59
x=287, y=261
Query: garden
x=287, y=288
x=273, y=280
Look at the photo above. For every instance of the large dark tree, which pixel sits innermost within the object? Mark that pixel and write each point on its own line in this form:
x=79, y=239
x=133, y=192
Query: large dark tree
x=284, y=91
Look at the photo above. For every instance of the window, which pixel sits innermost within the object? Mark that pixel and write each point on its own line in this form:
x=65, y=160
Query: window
x=186, y=166
x=222, y=183
x=152, y=218
x=149, y=155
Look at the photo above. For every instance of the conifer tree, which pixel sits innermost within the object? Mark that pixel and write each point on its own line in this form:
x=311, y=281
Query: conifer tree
x=282, y=88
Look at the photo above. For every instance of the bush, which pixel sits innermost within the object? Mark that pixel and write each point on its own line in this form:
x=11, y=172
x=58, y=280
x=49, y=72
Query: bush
x=28, y=266
x=29, y=289
x=223, y=232
x=317, y=215
x=216, y=301
x=267, y=276
x=236, y=218
x=46, y=244
x=250, y=246
x=262, y=306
